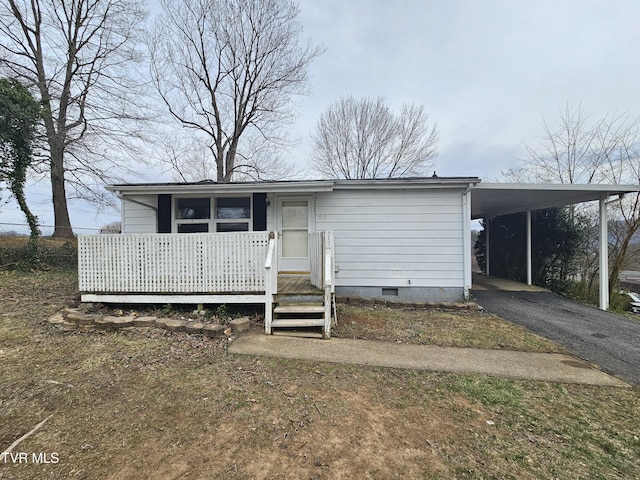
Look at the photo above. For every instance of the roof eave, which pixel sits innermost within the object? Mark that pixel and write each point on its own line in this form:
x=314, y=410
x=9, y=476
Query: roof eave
x=208, y=188
x=302, y=186
x=404, y=183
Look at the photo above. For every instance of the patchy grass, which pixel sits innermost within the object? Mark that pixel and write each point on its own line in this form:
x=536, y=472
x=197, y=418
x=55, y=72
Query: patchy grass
x=438, y=327
x=151, y=404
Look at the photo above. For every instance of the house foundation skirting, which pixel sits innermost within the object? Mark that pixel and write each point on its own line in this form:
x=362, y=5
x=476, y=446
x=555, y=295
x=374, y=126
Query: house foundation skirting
x=405, y=294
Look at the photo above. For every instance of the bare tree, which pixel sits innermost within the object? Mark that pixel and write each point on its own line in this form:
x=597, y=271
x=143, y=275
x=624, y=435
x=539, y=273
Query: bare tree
x=113, y=227
x=189, y=160
x=364, y=139
x=80, y=55
x=228, y=70
x=623, y=166
x=578, y=149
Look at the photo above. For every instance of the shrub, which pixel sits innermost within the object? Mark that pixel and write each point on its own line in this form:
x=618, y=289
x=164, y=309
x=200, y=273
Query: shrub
x=52, y=254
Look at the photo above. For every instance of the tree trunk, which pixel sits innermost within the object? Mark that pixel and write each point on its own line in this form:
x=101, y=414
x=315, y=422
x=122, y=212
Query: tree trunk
x=60, y=211
x=230, y=161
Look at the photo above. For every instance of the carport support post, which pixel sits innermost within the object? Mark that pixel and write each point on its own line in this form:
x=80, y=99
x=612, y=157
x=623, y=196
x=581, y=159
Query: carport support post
x=529, y=281
x=466, y=206
x=486, y=245
x=604, y=256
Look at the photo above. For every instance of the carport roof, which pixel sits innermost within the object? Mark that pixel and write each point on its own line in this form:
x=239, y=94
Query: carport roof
x=495, y=199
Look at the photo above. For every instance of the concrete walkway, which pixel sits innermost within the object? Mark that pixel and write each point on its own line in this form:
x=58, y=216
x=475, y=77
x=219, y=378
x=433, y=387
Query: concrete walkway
x=533, y=366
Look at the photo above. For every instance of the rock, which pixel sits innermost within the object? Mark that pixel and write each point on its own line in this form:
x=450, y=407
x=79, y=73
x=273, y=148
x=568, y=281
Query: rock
x=175, y=325
x=160, y=322
x=122, y=322
x=103, y=323
x=85, y=307
x=214, y=331
x=144, y=321
x=56, y=318
x=82, y=318
x=119, y=322
x=70, y=310
x=242, y=324
x=70, y=321
x=194, y=327
x=88, y=319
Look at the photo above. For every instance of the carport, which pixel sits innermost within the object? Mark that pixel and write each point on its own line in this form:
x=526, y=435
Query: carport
x=490, y=200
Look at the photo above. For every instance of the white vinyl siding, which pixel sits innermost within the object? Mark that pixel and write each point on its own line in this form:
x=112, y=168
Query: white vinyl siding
x=138, y=218
x=271, y=216
x=395, y=238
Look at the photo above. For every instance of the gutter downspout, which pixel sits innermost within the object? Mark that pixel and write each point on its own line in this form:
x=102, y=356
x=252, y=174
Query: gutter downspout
x=137, y=202
x=124, y=199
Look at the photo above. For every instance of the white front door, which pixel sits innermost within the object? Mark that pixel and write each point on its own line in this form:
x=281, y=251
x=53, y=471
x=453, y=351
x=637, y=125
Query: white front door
x=295, y=223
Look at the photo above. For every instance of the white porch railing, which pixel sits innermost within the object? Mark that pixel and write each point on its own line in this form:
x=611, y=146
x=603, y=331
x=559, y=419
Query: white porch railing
x=271, y=281
x=322, y=270
x=171, y=263
x=320, y=244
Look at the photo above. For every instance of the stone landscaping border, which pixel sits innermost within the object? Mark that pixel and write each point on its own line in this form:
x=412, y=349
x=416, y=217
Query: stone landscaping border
x=74, y=318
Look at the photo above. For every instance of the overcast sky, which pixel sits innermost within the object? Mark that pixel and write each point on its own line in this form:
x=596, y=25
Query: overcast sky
x=487, y=72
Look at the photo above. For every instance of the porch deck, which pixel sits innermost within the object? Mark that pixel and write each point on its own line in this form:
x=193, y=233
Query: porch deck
x=287, y=285
x=296, y=285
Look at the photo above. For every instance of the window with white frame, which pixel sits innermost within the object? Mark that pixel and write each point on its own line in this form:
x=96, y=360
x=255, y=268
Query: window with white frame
x=233, y=214
x=193, y=215
x=230, y=214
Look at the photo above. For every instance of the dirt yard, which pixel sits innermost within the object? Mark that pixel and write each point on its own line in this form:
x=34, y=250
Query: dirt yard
x=147, y=403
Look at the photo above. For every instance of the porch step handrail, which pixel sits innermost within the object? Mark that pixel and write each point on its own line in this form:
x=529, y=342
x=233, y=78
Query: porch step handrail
x=322, y=271
x=271, y=281
x=329, y=282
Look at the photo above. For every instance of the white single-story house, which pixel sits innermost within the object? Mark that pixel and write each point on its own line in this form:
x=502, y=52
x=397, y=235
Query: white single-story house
x=209, y=242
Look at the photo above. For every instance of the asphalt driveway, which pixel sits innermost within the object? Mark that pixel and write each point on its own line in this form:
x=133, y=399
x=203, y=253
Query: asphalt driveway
x=606, y=340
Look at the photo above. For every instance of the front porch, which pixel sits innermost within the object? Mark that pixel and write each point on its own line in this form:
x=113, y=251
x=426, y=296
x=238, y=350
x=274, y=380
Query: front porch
x=209, y=268
x=296, y=285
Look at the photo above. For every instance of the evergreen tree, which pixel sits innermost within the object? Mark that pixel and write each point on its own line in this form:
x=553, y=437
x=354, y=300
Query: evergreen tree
x=19, y=116
x=556, y=241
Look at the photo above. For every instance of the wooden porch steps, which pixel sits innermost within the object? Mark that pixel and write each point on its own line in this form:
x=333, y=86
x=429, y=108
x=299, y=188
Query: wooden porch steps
x=298, y=307
x=297, y=311
x=298, y=322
